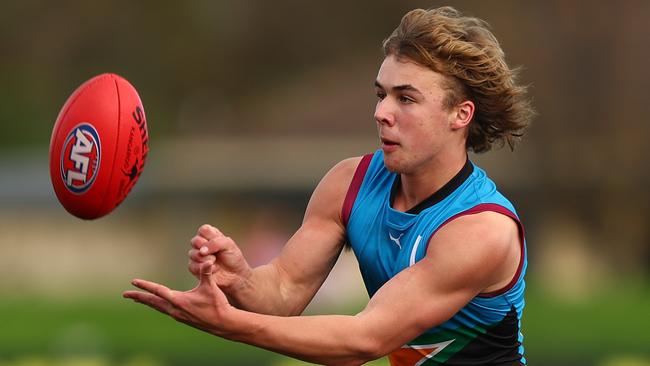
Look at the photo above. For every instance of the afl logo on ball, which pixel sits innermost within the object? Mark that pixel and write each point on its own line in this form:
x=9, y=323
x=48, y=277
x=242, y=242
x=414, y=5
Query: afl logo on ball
x=80, y=158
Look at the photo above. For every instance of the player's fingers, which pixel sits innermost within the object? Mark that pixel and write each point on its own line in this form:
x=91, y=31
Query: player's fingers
x=216, y=245
x=221, y=243
x=195, y=267
x=198, y=241
x=150, y=300
x=197, y=256
x=158, y=304
x=209, y=231
x=157, y=289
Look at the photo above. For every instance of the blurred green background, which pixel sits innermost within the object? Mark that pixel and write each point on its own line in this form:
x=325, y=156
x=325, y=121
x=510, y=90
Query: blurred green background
x=249, y=103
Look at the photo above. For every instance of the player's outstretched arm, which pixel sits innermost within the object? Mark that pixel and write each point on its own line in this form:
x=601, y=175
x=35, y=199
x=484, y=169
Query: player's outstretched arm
x=287, y=284
x=472, y=254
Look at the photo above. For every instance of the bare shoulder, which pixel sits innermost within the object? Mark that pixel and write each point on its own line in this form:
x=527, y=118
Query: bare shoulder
x=484, y=248
x=327, y=200
x=342, y=172
x=487, y=231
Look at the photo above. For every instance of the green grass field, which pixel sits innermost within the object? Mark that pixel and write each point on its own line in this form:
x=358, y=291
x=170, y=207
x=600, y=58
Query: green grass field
x=608, y=329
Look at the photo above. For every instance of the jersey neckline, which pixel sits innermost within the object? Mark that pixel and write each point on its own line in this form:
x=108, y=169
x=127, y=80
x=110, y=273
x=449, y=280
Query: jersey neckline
x=438, y=195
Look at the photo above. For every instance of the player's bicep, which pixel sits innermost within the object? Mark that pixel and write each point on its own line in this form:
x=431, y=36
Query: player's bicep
x=310, y=254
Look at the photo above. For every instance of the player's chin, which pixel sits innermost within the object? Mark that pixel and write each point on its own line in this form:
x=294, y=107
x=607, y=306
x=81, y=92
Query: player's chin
x=399, y=165
x=393, y=165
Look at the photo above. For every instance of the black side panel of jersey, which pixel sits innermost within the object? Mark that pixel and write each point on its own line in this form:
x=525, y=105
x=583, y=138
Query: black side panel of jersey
x=499, y=346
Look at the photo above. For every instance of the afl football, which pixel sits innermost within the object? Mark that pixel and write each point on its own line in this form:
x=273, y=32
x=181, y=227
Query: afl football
x=98, y=147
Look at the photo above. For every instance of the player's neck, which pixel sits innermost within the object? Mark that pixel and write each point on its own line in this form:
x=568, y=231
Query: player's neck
x=418, y=186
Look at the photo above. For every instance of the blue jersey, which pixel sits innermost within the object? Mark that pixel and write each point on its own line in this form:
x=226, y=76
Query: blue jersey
x=385, y=241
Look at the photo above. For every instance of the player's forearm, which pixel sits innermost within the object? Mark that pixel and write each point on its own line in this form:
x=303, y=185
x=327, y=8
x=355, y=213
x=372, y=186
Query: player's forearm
x=324, y=339
x=265, y=292
x=259, y=292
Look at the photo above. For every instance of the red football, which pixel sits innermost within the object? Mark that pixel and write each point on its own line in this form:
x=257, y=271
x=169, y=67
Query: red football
x=99, y=145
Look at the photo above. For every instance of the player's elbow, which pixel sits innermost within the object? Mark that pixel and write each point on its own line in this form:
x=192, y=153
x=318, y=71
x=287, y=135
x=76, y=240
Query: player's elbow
x=365, y=349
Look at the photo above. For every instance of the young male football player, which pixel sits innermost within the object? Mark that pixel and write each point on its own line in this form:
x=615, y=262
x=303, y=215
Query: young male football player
x=441, y=251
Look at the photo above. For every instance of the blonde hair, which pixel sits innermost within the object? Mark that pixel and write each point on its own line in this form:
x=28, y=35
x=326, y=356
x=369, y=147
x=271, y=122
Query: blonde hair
x=464, y=49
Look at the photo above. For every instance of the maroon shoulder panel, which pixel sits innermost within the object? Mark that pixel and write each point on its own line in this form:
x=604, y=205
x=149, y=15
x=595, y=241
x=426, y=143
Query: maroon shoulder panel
x=353, y=190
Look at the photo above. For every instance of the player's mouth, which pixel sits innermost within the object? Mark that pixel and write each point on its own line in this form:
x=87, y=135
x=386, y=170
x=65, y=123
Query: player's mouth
x=389, y=145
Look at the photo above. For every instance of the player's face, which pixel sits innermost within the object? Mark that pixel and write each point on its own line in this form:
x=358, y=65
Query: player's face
x=414, y=126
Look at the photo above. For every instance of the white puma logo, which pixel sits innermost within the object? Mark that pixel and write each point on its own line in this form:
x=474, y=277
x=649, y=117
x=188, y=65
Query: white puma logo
x=396, y=240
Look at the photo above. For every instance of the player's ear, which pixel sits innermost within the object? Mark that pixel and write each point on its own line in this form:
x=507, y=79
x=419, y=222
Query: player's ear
x=463, y=114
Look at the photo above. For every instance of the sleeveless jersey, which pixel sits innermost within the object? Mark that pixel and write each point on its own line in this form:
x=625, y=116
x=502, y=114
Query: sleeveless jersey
x=486, y=331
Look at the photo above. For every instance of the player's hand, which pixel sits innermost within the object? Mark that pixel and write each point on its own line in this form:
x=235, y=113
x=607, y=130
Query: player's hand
x=219, y=255
x=205, y=307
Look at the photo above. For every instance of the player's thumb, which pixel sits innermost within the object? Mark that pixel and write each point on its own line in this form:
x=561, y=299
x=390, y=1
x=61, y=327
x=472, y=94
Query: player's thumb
x=208, y=285
x=205, y=275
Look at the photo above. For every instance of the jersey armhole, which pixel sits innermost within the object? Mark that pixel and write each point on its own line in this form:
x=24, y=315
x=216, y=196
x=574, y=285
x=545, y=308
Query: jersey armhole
x=354, y=188
x=504, y=211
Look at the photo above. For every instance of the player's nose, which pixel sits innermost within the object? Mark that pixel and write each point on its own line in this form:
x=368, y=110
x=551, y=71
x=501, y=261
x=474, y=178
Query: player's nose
x=384, y=112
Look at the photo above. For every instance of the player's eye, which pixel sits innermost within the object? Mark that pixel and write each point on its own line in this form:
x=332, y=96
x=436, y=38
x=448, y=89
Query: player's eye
x=405, y=99
x=381, y=95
